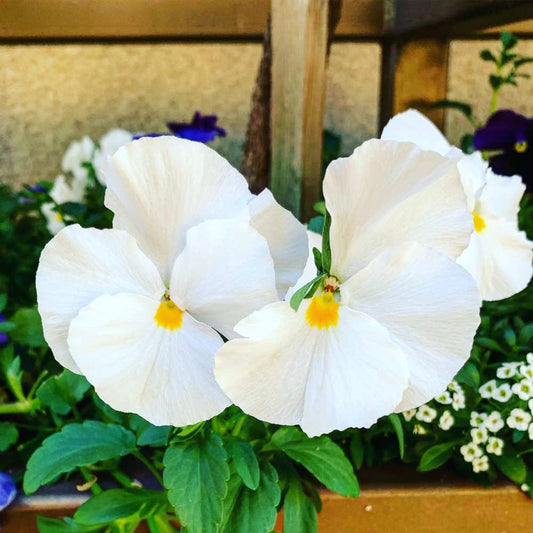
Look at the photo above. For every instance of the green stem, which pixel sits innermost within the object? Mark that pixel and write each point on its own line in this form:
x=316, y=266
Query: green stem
x=238, y=426
x=494, y=100
x=150, y=466
x=38, y=381
x=122, y=478
x=95, y=488
x=24, y=406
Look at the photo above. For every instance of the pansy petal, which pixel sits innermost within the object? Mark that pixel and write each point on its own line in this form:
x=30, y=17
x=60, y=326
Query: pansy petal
x=501, y=196
x=78, y=265
x=160, y=187
x=499, y=258
x=286, y=238
x=413, y=126
x=387, y=193
x=287, y=372
x=314, y=240
x=166, y=376
x=224, y=273
x=429, y=305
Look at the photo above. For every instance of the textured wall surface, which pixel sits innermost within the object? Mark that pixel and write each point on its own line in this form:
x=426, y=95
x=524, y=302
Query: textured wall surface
x=52, y=94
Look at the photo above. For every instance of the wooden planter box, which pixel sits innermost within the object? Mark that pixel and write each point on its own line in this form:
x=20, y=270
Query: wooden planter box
x=397, y=503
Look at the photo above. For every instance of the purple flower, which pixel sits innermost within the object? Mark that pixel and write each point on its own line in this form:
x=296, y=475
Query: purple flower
x=4, y=339
x=201, y=129
x=511, y=134
x=8, y=491
x=37, y=188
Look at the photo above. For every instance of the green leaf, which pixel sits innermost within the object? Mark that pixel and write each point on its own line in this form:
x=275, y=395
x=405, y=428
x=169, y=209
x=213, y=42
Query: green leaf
x=317, y=255
x=61, y=392
x=244, y=461
x=510, y=464
x=469, y=375
x=487, y=55
x=321, y=456
x=522, y=61
x=398, y=429
x=316, y=224
x=67, y=525
x=160, y=524
x=76, y=445
x=436, y=456
x=8, y=435
x=252, y=511
x=326, y=246
x=306, y=291
x=73, y=209
x=490, y=344
x=462, y=107
x=153, y=435
x=28, y=328
x=510, y=337
x=467, y=143
x=320, y=207
x=357, y=449
x=116, y=504
x=525, y=335
x=508, y=40
x=299, y=514
x=495, y=81
x=196, y=474
x=3, y=301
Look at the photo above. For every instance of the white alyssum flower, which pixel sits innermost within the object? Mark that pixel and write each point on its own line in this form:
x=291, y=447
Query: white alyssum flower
x=108, y=145
x=445, y=398
x=487, y=389
x=480, y=464
x=77, y=153
x=499, y=256
x=523, y=389
x=479, y=435
x=518, y=419
x=494, y=422
x=454, y=386
x=527, y=371
x=529, y=358
x=470, y=452
x=503, y=393
x=425, y=413
x=508, y=370
x=446, y=420
x=458, y=401
x=530, y=405
x=477, y=419
x=530, y=431
x=139, y=309
x=409, y=414
x=419, y=429
x=382, y=341
x=62, y=191
x=494, y=446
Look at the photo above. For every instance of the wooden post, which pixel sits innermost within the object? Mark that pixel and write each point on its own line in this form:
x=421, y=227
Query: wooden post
x=414, y=74
x=299, y=50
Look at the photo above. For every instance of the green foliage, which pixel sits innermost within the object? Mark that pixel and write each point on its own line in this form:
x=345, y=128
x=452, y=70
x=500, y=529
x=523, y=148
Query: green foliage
x=60, y=393
x=8, y=435
x=76, y=445
x=28, y=329
x=299, y=513
x=307, y=291
x=196, y=477
x=511, y=464
x=244, y=461
x=436, y=456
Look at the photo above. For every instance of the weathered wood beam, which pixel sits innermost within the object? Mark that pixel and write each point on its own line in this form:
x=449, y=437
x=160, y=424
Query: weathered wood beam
x=413, y=74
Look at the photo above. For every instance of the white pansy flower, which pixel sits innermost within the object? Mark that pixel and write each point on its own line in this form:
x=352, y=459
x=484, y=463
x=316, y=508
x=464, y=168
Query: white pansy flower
x=527, y=371
x=523, y=389
x=458, y=401
x=479, y=435
x=487, y=390
x=494, y=422
x=494, y=446
x=530, y=431
x=470, y=452
x=109, y=144
x=499, y=255
x=445, y=398
x=508, y=370
x=503, y=393
x=426, y=413
x=139, y=309
x=381, y=340
x=77, y=153
x=409, y=414
x=480, y=464
x=419, y=429
x=62, y=191
x=518, y=419
x=446, y=421
x=477, y=419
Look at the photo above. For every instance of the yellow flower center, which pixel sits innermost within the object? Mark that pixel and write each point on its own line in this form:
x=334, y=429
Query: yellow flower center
x=59, y=218
x=479, y=222
x=323, y=311
x=169, y=315
x=520, y=146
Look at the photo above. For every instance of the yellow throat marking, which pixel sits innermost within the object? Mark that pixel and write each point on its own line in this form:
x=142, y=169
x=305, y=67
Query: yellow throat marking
x=479, y=222
x=323, y=311
x=169, y=315
x=520, y=146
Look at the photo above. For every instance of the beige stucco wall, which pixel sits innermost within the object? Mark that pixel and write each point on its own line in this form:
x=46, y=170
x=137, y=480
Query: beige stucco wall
x=52, y=94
